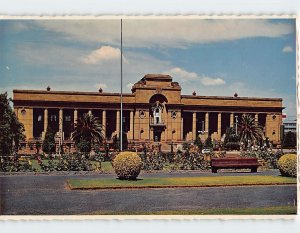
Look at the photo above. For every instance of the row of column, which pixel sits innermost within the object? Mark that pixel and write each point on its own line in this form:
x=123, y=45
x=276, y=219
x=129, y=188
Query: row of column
x=130, y=135
x=131, y=129
x=194, y=127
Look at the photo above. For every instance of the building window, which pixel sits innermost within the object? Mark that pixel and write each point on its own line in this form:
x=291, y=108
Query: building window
x=68, y=118
x=53, y=118
x=23, y=112
x=142, y=114
x=39, y=118
x=174, y=114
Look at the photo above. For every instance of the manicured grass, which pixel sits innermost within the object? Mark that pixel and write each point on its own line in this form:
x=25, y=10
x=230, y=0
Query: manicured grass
x=170, y=182
x=278, y=210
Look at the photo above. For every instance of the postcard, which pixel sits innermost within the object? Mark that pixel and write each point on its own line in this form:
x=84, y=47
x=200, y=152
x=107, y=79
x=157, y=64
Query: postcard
x=148, y=116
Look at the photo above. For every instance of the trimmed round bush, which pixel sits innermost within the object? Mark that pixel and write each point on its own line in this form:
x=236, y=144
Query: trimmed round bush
x=127, y=165
x=288, y=165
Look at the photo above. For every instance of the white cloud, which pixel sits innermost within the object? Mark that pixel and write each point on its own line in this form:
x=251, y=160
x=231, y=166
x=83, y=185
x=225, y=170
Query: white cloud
x=100, y=85
x=287, y=49
x=181, y=73
x=129, y=85
x=208, y=81
x=166, y=32
x=105, y=53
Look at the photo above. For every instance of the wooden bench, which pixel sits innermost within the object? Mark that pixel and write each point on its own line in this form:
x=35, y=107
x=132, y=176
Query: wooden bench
x=234, y=163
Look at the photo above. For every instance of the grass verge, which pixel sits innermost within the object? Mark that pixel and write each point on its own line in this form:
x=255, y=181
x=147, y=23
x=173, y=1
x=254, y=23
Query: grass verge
x=278, y=210
x=173, y=182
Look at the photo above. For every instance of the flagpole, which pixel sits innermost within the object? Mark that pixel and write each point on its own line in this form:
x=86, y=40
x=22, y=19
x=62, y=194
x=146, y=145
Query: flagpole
x=121, y=118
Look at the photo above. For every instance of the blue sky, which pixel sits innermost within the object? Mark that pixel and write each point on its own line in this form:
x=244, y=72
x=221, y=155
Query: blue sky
x=212, y=57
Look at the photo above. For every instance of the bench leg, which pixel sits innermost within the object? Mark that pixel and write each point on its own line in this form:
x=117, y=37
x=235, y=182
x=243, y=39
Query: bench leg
x=254, y=169
x=214, y=170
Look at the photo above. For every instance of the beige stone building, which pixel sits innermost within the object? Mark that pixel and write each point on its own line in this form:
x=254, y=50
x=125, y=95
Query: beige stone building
x=154, y=111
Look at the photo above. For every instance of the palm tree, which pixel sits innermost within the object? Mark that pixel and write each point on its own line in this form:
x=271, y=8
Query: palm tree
x=250, y=131
x=88, y=129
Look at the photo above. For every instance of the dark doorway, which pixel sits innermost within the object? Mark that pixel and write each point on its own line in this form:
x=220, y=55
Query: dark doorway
x=157, y=134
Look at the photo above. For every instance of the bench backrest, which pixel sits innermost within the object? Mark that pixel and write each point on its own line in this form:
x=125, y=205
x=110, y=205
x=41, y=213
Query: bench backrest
x=234, y=161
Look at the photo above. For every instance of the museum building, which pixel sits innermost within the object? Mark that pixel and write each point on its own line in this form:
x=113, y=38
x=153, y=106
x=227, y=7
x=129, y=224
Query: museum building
x=155, y=110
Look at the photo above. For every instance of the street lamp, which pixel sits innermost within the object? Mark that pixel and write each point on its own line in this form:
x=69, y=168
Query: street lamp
x=236, y=123
x=202, y=132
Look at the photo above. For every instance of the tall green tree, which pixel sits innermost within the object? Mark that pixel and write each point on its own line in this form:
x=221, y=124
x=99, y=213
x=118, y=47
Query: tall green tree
x=198, y=143
x=88, y=131
x=231, y=140
x=250, y=131
x=49, y=141
x=208, y=142
x=11, y=130
x=290, y=139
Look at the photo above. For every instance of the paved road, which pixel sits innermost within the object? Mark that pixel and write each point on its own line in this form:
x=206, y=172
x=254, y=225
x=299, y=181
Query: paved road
x=49, y=195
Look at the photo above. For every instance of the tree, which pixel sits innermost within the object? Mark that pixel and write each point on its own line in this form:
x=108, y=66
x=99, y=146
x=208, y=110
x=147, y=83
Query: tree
x=12, y=131
x=198, y=143
x=250, y=131
x=49, y=141
x=88, y=130
x=84, y=146
x=231, y=140
x=208, y=142
x=116, y=142
x=290, y=139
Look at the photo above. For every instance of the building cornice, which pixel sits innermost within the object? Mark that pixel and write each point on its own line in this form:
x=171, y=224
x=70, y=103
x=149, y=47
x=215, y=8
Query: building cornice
x=230, y=98
x=73, y=93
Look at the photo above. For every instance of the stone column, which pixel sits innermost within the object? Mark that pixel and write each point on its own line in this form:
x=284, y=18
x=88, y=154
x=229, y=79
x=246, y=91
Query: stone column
x=207, y=123
x=231, y=119
x=219, y=125
x=104, y=123
x=61, y=123
x=194, y=126
x=256, y=117
x=45, y=119
x=131, y=126
x=75, y=116
x=181, y=126
x=118, y=123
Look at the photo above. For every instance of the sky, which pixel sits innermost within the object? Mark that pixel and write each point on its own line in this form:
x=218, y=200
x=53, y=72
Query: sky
x=216, y=57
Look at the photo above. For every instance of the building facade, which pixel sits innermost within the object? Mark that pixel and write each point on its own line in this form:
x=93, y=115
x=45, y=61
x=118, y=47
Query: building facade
x=290, y=125
x=154, y=111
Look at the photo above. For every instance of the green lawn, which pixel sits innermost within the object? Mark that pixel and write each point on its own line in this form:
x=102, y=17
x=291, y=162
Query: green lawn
x=278, y=210
x=110, y=183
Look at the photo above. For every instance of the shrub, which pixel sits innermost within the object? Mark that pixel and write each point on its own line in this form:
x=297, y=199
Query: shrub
x=267, y=158
x=288, y=165
x=127, y=165
x=71, y=162
x=232, y=146
x=84, y=146
x=153, y=160
x=193, y=160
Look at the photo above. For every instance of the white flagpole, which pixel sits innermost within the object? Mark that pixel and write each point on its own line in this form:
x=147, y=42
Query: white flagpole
x=121, y=118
